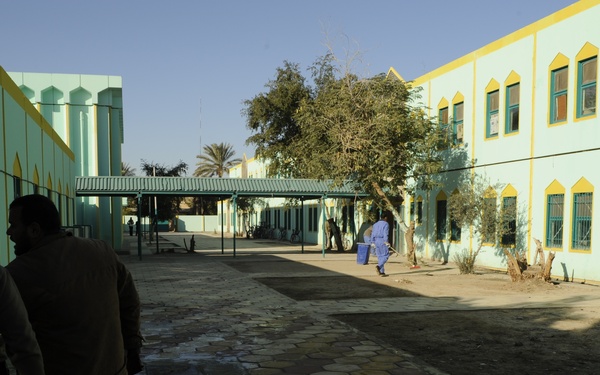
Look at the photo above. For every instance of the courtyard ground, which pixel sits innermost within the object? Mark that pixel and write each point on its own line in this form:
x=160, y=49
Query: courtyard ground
x=525, y=338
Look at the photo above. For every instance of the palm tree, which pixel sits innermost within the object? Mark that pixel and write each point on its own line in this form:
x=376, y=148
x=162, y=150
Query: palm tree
x=216, y=161
x=127, y=170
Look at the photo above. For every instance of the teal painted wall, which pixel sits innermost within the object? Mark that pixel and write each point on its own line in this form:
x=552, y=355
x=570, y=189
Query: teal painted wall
x=33, y=153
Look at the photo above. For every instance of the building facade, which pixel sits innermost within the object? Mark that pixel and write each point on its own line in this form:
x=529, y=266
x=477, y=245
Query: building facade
x=86, y=113
x=308, y=216
x=33, y=159
x=523, y=110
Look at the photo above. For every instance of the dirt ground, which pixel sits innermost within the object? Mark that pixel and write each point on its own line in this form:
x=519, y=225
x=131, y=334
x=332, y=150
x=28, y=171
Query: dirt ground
x=496, y=341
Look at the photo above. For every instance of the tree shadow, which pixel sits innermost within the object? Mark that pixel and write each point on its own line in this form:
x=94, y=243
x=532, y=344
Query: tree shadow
x=455, y=170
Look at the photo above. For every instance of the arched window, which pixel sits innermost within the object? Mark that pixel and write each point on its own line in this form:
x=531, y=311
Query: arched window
x=555, y=215
x=587, y=73
x=492, y=109
x=441, y=217
x=559, y=79
x=489, y=217
x=513, y=94
x=581, y=219
x=458, y=110
x=17, y=177
x=455, y=230
x=509, y=216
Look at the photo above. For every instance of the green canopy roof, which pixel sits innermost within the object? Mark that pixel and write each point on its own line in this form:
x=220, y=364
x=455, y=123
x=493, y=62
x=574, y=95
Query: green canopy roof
x=216, y=187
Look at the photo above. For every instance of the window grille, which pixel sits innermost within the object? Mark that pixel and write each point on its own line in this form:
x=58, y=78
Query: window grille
x=586, y=101
x=582, y=221
x=554, y=221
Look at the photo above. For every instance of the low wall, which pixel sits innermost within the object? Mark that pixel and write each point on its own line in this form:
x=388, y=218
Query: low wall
x=197, y=223
x=185, y=223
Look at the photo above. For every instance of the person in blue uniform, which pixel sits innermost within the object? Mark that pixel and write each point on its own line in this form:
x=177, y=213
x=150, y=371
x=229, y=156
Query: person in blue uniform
x=379, y=237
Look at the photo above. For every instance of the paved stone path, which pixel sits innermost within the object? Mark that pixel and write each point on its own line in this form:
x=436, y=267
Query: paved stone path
x=200, y=316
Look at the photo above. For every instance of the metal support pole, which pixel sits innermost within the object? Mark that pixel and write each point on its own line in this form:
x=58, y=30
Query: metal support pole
x=155, y=222
x=324, y=215
x=234, y=201
x=138, y=225
x=302, y=222
x=222, y=228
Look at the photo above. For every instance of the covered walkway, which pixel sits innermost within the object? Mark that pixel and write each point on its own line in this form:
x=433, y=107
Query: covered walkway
x=220, y=188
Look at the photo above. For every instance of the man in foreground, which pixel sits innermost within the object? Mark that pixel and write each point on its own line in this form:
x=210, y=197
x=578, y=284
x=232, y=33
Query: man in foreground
x=81, y=300
x=17, y=338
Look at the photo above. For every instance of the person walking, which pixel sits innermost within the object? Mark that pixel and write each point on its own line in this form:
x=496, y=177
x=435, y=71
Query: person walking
x=81, y=299
x=379, y=238
x=130, y=223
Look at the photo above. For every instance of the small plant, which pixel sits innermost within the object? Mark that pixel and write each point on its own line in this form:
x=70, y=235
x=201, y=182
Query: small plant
x=465, y=260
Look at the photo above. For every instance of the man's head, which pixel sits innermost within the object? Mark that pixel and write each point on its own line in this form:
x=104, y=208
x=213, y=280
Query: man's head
x=31, y=218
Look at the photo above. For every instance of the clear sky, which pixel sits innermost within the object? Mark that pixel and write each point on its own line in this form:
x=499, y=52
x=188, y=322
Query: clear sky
x=188, y=65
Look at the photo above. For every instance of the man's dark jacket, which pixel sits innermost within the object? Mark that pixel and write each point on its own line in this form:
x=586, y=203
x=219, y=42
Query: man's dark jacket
x=82, y=304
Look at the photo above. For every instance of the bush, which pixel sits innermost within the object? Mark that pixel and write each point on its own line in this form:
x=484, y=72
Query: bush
x=465, y=261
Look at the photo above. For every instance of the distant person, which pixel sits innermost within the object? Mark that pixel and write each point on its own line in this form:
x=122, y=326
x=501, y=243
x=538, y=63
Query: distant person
x=379, y=237
x=20, y=344
x=81, y=300
x=130, y=223
x=137, y=227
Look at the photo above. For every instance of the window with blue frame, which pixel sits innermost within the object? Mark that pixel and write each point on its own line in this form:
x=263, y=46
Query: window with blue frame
x=419, y=212
x=455, y=231
x=443, y=118
x=493, y=104
x=586, y=87
x=457, y=123
x=554, y=220
x=17, y=186
x=489, y=220
x=441, y=220
x=558, y=92
x=582, y=221
x=509, y=221
x=512, y=108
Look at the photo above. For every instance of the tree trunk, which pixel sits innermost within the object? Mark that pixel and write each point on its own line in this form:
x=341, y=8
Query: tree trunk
x=545, y=275
x=390, y=207
x=410, y=244
x=539, y=253
x=514, y=269
x=517, y=268
x=336, y=235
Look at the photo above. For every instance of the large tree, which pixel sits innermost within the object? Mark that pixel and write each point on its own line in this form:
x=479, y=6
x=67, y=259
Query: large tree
x=217, y=159
x=371, y=131
x=272, y=117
